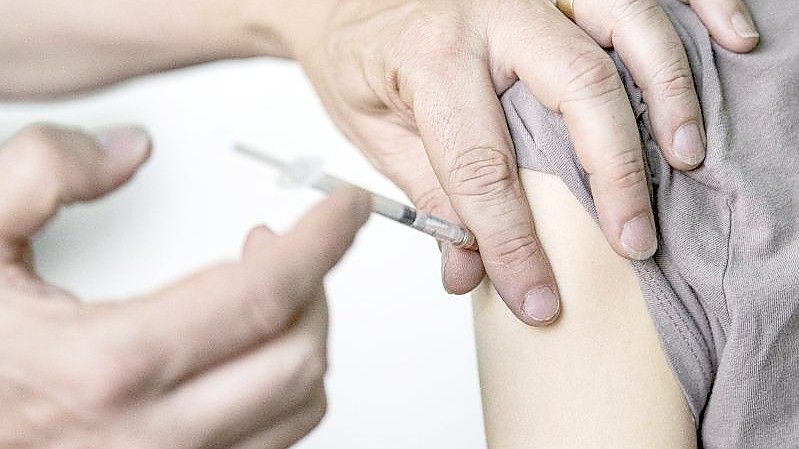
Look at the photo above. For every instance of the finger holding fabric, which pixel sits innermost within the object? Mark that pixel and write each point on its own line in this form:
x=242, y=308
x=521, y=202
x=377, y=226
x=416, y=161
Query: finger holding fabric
x=418, y=87
x=583, y=85
x=405, y=81
x=729, y=22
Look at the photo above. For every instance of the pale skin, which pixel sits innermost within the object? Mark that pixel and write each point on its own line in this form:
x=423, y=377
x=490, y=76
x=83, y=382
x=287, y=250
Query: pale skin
x=598, y=377
x=415, y=85
x=230, y=357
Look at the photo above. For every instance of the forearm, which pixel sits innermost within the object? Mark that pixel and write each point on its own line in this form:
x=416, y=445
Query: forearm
x=52, y=47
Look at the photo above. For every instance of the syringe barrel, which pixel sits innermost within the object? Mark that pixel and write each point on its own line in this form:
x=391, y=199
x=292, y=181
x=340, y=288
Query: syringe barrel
x=429, y=224
x=380, y=204
x=444, y=230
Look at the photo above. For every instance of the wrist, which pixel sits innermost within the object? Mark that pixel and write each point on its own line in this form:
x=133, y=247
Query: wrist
x=284, y=28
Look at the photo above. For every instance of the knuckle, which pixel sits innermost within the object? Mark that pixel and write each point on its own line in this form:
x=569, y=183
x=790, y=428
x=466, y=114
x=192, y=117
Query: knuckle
x=511, y=250
x=110, y=376
x=432, y=200
x=37, y=161
x=436, y=35
x=481, y=173
x=266, y=299
x=434, y=43
x=592, y=75
x=304, y=367
x=674, y=79
x=634, y=10
x=626, y=169
x=313, y=362
x=38, y=150
x=268, y=308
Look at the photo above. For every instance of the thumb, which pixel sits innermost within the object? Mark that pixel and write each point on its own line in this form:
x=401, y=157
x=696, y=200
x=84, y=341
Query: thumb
x=461, y=270
x=45, y=166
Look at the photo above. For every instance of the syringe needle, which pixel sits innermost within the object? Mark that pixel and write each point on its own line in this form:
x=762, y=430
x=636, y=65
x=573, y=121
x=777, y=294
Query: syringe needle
x=307, y=172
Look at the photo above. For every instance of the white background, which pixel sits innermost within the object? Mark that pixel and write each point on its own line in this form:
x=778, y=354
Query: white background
x=403, y=368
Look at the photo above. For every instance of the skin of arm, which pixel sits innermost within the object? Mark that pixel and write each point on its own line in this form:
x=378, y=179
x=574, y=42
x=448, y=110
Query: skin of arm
x=57, y=47
x=598, y=377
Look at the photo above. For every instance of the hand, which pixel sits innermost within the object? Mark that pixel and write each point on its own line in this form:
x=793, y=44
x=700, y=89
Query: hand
x=415, y=85
x=232, y=357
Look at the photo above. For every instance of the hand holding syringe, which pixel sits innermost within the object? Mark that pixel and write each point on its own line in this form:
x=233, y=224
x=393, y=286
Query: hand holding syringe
x=308, y=172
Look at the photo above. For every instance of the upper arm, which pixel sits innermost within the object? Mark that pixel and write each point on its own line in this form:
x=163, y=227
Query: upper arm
x=598, y=377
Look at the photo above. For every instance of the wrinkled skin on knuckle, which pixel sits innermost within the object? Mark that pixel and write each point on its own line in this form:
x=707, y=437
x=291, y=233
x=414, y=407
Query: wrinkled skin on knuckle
x=432, y=44
x=435, y=33
x=592, y=76
x=674, y=79
x=630, y=11
x=431, y=200
x=484, y=174
x=626, y=169
x=510, y=250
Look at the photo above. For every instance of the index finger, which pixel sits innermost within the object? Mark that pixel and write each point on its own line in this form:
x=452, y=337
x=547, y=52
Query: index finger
x=648, y=43
x=469, y=146
x=569, y=73
x=221, y=312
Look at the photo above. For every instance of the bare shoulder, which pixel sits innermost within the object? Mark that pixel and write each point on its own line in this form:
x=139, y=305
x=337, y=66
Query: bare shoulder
x=598, y=377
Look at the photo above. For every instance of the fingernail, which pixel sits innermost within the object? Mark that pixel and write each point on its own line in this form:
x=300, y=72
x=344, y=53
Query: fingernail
x=688, y=145
x=125, y=140
x=638, y=238
x=541, y=305
x=743, y=25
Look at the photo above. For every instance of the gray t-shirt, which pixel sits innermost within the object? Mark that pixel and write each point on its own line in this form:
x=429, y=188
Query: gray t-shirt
x=723, y=289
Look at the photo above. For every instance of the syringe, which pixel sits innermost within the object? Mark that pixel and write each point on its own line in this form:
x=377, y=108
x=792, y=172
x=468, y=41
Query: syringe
x=308, y=172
